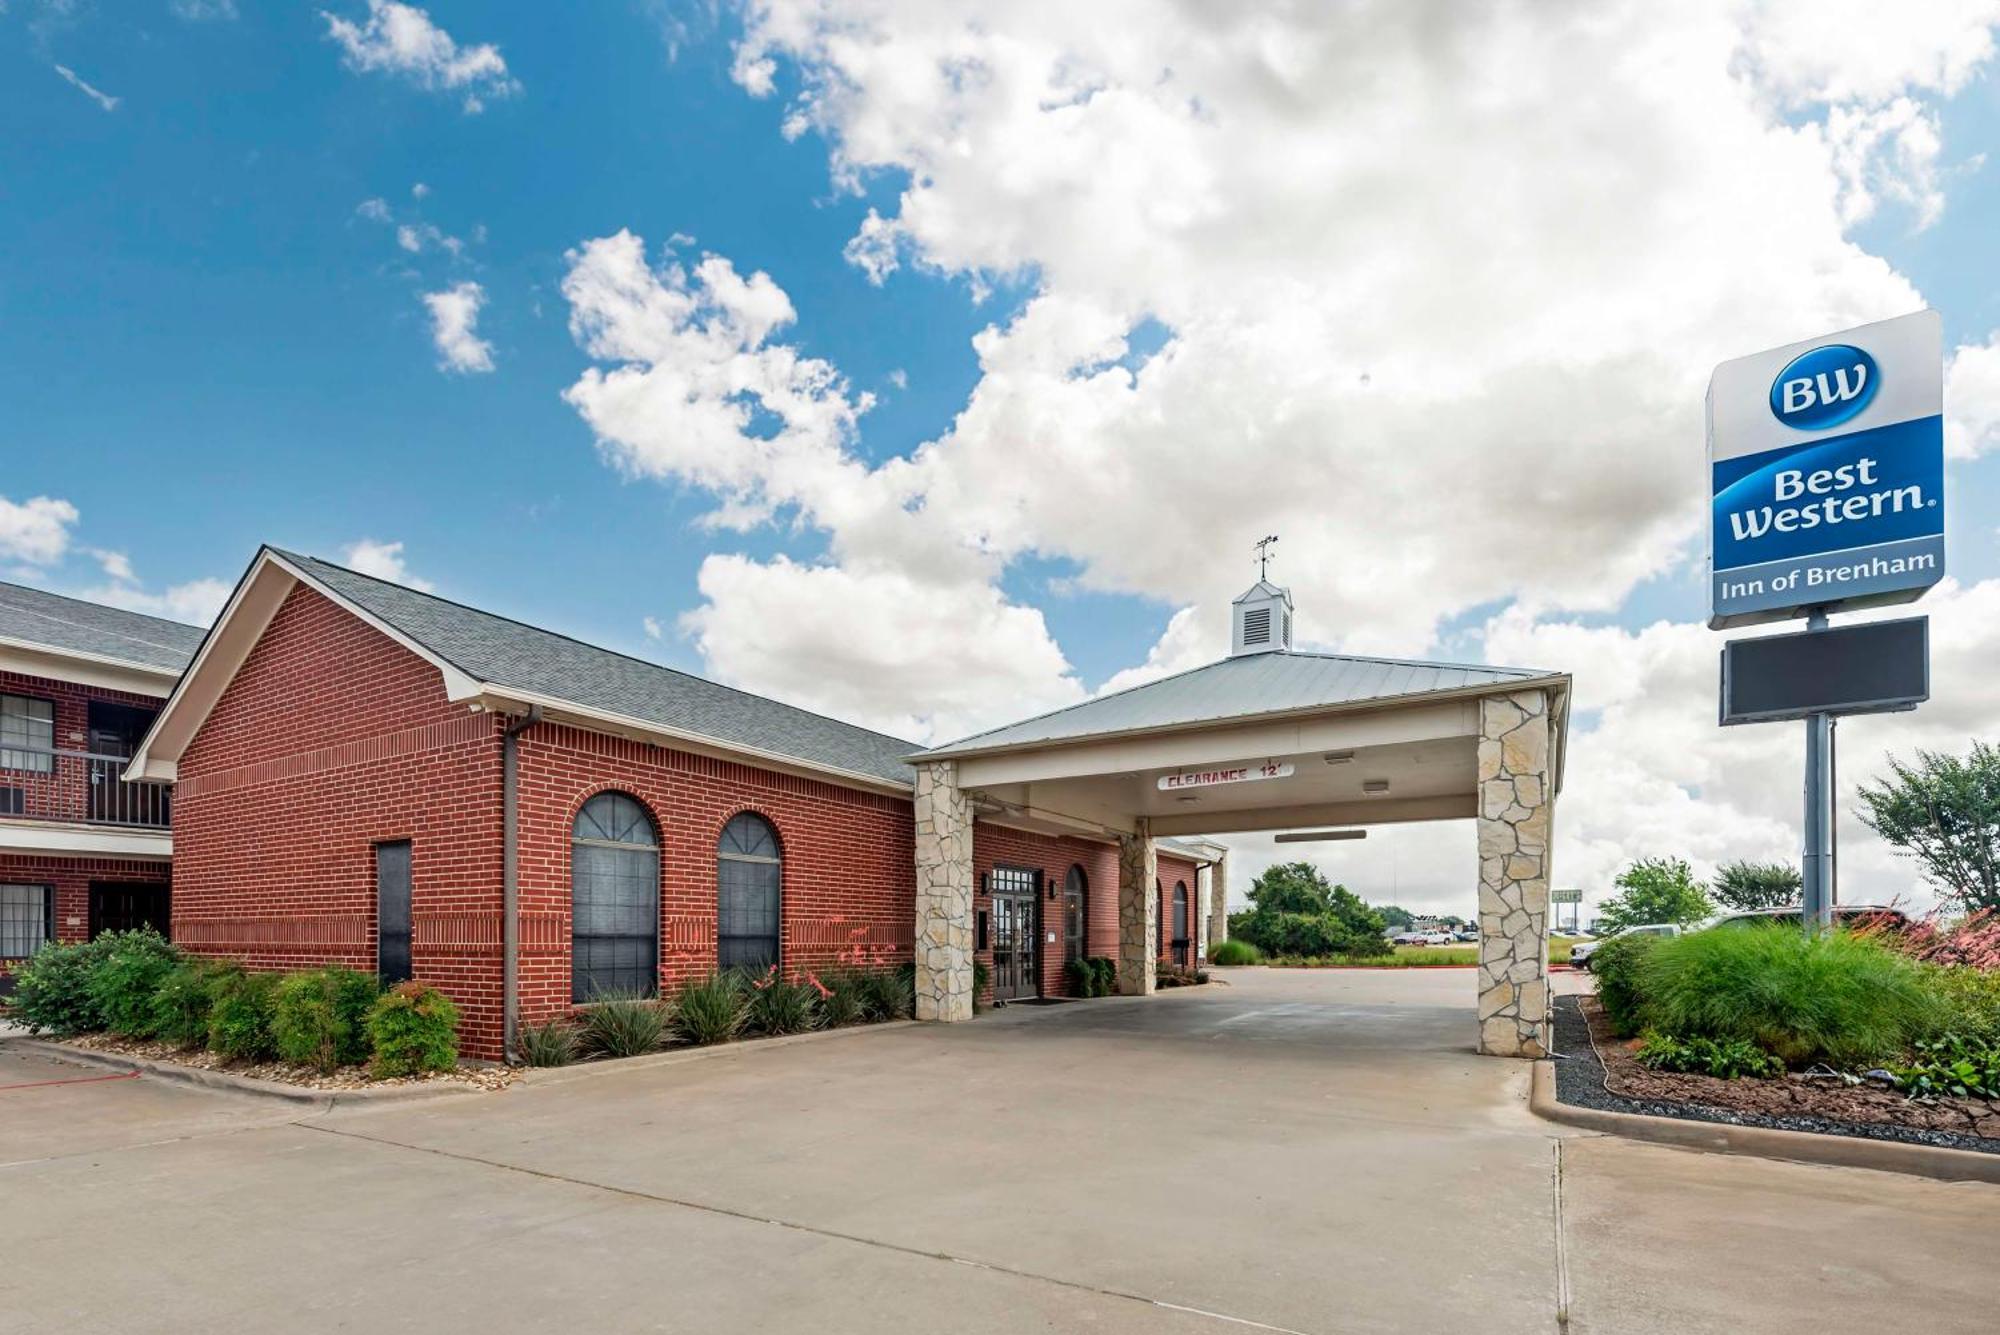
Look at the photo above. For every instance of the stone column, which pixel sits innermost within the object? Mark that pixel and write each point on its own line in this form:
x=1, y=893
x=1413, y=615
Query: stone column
x=1204, y=891
x=1516, y=814
x=944, y=895
x=1218, y=904
x=1138, y=912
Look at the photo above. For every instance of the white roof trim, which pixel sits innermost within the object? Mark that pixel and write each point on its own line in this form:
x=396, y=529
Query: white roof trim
x=85, y=656
x=46, y=661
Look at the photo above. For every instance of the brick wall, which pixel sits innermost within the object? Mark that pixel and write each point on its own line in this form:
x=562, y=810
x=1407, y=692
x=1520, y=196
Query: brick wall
x=1175, y=871
x=332, y=738
x=62, y=792
x=847, y=882
x=71, y=877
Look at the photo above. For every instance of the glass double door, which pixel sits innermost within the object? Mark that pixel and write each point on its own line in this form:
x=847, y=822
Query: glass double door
x=1015, y=972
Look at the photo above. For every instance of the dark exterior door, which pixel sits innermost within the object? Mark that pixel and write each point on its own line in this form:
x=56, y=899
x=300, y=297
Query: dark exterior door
x=1015, y=971
x=115, y=733
x=120, y=906
x=392, y=912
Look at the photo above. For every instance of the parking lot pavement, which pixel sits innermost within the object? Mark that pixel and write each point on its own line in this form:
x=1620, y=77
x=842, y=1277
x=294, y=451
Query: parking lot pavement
x=1313, y=1152
x=51, y=1108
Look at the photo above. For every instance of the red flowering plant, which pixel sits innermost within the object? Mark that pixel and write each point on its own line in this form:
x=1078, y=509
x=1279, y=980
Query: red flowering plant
x=1972, y=942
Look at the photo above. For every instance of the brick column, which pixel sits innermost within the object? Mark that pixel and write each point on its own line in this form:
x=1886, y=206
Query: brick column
x=1516, y=813
x=1138, y=912
x=1218, y=903
x=944, y=895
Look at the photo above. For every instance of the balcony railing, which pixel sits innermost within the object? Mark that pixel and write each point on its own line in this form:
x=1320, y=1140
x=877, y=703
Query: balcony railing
x=53, y=784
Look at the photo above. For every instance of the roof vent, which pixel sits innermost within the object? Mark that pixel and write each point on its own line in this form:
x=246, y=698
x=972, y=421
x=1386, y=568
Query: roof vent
x=1261, y=620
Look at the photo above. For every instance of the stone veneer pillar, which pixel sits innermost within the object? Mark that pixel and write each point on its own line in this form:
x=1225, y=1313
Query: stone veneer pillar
x=944, y=895
x=1204, y=892
x=1516, y=813
x=1138, y=912
x=1218, y=903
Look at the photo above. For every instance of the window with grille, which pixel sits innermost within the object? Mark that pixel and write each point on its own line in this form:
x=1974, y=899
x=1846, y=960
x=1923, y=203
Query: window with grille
x=1257, y=626
x=748, y=874
x=27, y=919
x=31, y=723
x=614, y=900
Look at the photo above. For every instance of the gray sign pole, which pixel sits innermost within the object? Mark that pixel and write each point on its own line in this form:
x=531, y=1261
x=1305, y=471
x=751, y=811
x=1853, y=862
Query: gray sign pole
x=1816, y=865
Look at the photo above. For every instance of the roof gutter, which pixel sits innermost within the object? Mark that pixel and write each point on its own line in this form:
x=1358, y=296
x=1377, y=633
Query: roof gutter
x=510, y=878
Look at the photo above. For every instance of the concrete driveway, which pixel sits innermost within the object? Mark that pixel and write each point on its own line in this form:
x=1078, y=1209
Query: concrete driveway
x=1290, y=1151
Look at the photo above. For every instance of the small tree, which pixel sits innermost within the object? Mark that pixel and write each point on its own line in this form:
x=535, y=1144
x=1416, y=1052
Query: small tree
x=1655, y=890
x=1757, y=885
x=1297, y=911
x=1945, y=813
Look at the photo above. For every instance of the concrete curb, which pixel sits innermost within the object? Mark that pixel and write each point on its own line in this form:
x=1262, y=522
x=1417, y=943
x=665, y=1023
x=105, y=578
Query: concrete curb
x=1763, y=1142
x=240, y=1084
x=535, y=1077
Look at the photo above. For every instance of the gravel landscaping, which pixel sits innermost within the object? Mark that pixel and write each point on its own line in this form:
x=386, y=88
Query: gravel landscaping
x=1604, y=1074
x=480, y=1077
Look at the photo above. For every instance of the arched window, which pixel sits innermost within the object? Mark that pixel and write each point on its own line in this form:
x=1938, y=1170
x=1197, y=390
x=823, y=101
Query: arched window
x=1159, y=921
x=1076, y=914
x=747, y=874
x=1181, y=944
x=614, y=887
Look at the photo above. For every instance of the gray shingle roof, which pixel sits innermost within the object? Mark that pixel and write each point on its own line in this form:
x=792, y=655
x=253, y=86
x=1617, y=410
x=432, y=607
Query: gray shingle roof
x=91, y=628
x=1244, y=686
x=506, y=653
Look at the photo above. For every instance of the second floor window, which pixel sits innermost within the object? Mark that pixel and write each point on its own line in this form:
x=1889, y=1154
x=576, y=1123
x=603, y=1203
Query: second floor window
x=26, y=722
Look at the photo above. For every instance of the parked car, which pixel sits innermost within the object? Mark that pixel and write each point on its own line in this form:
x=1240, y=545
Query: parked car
x=1879, y=917
x=1409, y=939
x=1580, y=953
x=1466, y=934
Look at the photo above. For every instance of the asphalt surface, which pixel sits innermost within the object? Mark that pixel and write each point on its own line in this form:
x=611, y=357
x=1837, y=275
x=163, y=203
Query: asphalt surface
x=1313, y=1152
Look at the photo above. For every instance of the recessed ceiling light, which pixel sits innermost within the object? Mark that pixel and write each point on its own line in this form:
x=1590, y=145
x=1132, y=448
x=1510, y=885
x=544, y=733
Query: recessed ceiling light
x=1375, y=787
x=1338, y=757
x=1187, y=797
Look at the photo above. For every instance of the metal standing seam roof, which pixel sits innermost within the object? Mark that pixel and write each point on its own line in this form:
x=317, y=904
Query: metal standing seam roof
x=504, y=653
x=1243, y=687
x=75, y=626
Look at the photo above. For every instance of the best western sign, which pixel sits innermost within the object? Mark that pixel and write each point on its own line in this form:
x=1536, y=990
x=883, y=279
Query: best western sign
x=1827, y=465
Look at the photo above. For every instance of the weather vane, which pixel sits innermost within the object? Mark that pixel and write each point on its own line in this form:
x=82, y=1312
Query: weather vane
x=1264, y=553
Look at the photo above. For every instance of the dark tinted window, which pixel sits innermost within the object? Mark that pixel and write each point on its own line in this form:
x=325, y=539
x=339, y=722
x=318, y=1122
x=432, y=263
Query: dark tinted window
x=614, y=900
x=392, y=912
x=748, y=877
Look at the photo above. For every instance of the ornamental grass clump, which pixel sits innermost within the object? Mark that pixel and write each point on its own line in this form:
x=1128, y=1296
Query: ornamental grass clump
x=1617, y=964
x=319, y=1017
x=622, y=1025
x=711, y=1009
x=842, y=1002
x=1836, y=997
x=779, y=1006
x=1232, y=952
x=888, y=994
x=129, y=969
x=556, y=1043
x=413, y=1028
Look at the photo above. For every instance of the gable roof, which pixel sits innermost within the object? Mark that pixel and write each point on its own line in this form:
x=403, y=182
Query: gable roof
x=71, y=626
x=498, y=663
x=1243, y=688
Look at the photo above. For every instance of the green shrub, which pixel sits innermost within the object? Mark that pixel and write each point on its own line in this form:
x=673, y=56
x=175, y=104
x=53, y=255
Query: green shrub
x=556, y=1043
x=841, y=1002
x=1968, y=1068
x=622, y=1025
x=182, y=1001
x=239, y=1016
x=413, y=1027
x=1969, y=1001
x=1725, y=1058
x=711, y=1009
x=778, y=1006
x=319, y=1017
x=52, y=990
x=1617, y=964
x=1106, y=970
x=1836, y=997
x=122, y=981
x=1080, y=978
x=1233, y=951
x=981, y=976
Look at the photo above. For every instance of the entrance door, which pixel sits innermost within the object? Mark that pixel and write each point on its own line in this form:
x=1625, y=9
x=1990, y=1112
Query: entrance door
x=1015, y=974
x=118, y=906
x=1181, y=942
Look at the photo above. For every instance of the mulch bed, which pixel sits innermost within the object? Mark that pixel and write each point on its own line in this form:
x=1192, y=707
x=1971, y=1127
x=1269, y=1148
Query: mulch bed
x=1596, y=1069
x=342, y=1078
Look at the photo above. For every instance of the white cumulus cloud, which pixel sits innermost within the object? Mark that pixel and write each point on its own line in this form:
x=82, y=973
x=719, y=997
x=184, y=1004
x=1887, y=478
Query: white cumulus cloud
x=401, y=39
x=383, y=560
x=455, y=328
x=35, y=531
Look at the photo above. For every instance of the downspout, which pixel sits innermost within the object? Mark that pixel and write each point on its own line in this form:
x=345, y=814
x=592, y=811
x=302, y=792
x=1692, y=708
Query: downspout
x=510, y=879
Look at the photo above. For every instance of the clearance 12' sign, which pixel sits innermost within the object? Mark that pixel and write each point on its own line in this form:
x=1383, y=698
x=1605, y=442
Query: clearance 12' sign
x=1209, y=778
x=1827, y=465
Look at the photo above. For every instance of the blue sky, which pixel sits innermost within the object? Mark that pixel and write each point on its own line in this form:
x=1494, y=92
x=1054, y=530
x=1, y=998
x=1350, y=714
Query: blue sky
x=1224, y=284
